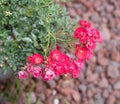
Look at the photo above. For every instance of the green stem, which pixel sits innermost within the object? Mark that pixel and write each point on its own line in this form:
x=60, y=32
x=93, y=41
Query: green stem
x=53, y=37
x=48, y=44
x=63, y=39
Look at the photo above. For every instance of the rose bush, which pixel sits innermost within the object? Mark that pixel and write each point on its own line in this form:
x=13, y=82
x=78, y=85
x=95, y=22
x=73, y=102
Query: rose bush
x=58, y=63
x=36, y=38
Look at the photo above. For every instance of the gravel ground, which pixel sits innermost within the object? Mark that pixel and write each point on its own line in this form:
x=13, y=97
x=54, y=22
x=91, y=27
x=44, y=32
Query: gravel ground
x=99, y=82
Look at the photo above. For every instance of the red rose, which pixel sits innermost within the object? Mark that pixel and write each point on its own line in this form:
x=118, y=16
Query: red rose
x=85, y=23
x=83, y=53
x=36, y=59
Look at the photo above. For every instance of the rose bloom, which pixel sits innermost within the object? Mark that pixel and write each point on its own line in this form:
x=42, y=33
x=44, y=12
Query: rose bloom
x=80, y=32
x=22, y=74
x=49, y=74
x=55, y=55
x=83, y=53
x=85, y=23
x=36, y=59
x=37, y=71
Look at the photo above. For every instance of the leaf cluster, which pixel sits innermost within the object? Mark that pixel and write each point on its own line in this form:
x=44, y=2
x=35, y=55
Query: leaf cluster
x=30, y=26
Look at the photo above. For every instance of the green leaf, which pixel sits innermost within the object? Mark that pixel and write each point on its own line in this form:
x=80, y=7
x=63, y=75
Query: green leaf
x=27, y=39
x=29, y=54
x=34, y=37
x=14, y=68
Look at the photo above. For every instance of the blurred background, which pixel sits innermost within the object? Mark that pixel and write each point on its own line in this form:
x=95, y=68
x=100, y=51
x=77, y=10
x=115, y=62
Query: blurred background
x=99, y=81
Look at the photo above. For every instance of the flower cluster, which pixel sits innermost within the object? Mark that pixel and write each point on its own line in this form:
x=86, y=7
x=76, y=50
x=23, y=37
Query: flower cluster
x=61, y=64
x=88, y=36
x=58, y=63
